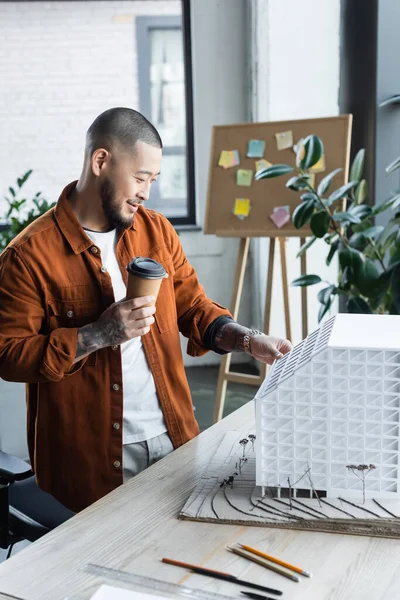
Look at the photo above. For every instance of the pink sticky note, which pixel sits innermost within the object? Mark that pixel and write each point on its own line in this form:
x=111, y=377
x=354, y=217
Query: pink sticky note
x=280, y=217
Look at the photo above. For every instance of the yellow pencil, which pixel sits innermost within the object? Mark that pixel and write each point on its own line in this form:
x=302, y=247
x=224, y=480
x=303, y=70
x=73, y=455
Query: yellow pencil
x=282, y=563
x=262, y=562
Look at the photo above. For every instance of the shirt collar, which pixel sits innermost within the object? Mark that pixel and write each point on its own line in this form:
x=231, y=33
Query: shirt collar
x=69, y=224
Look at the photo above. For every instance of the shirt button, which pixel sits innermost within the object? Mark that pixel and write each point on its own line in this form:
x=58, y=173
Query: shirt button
x=103, y=270
x=116, y=464
x=115, y=387
x=114, y=347
x=70, y=313
x=116, y=425
x=94, y=250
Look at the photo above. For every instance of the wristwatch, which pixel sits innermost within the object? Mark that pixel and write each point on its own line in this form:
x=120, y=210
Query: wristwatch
x=247, y=339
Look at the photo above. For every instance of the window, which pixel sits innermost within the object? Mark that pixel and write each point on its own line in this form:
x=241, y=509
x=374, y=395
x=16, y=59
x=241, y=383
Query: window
x=66, y=62
x=165, y=99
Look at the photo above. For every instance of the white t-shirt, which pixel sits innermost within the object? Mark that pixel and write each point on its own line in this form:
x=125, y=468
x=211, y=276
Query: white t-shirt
x=143, y=418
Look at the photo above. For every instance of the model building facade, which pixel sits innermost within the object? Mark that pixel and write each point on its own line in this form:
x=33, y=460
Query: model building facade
x=333, y=403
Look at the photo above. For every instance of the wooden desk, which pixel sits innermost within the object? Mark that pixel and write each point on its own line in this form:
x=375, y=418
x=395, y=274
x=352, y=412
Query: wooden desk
x=136, y=525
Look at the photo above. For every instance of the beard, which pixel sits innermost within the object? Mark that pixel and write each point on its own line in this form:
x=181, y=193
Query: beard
x=111, y=208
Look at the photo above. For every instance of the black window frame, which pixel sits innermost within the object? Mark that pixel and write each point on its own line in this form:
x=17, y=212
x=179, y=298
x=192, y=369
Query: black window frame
x=144, y=24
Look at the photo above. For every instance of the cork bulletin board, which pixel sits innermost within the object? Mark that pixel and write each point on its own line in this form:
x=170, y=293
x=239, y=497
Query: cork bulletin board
x=239, y=206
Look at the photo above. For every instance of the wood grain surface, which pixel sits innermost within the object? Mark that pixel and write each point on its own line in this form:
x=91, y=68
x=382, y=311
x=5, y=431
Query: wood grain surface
x=136, y=525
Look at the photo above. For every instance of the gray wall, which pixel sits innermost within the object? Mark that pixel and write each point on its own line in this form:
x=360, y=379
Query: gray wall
x=220, y=95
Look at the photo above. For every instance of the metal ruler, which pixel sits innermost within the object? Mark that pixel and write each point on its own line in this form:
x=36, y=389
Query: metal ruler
x=155, y=585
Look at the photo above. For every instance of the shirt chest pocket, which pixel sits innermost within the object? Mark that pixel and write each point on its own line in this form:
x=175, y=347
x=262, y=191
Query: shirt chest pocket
x=72, y=313
x=165, y=316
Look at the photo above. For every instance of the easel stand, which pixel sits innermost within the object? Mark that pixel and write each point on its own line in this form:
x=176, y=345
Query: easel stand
x=225, y=375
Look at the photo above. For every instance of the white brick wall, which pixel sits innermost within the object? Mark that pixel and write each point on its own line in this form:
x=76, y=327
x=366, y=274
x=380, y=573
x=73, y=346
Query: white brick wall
x=62, y=64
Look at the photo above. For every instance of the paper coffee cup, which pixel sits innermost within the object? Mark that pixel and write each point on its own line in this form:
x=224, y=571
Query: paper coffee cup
x=145, y=277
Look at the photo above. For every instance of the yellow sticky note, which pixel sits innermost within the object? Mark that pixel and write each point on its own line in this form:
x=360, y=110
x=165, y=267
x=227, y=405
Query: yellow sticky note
x=242, y=208
x=284, y=140
x=244, y=177
x=262, y=164
x=319, y=166
x=228, y=158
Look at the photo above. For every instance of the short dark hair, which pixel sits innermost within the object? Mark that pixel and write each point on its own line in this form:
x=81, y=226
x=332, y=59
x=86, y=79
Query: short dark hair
x=122, y=127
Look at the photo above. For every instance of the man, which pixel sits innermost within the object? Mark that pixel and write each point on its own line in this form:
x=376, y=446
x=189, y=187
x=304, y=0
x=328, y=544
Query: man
x=107, y=393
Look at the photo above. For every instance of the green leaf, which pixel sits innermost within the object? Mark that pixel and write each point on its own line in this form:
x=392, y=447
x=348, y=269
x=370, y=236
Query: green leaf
x=357, y=166
x=361, y=192
x=273, y=171
x=373, y=232
x=358, y=241
x=323, y=309
x=345, y=217
x=314, y=149
x=305, y=247
x=358, y=305
x=347, y=278
x=362, y=211
x=21, y=181
x=367, y=279
x=349, y=257
x=12, y=192
x=325, y=294
x=394, y=165
x=310, y=197
x=394, y=256
x=342, y=191
x=305, y=280
x=332, y=252
x=320, y=223
x=325, y=183
x=396, y=202
x=302, y=214
x=360, y=227
x=395, y=285
x=297, y=183
x=379, y=208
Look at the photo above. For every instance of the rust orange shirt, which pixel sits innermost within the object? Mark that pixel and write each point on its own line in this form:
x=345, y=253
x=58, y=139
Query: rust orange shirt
x=51, y=284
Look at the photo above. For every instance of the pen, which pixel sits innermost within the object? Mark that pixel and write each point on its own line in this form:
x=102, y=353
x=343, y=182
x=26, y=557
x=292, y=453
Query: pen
x=275, y=560
x=221, y=575
x=263, y=562
x=256, y=596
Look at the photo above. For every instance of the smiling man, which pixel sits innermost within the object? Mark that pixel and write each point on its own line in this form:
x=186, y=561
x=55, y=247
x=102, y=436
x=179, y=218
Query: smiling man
x=106, y=389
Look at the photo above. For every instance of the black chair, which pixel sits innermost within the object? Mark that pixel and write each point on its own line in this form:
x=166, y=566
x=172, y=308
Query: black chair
x=26, y=512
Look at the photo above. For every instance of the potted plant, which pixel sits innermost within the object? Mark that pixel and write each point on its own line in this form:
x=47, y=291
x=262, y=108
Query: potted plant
x=16, y=218
x=369, y=255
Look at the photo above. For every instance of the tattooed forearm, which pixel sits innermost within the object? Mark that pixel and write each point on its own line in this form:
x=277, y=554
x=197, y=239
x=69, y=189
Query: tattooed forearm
x=230, y=337
x=89, y=340
x=98, y=335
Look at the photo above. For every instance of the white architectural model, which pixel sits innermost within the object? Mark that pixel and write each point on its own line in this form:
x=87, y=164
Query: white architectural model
x=332, y=403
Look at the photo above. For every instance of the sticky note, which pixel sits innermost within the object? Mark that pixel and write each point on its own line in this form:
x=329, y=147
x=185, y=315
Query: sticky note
x=255, y=148
x=280, y=216
x=228, y=158
x=319, y=166
x=244, y=176
x=262, y=164
x=284, y=140
x=284, y=207
x=241, y=208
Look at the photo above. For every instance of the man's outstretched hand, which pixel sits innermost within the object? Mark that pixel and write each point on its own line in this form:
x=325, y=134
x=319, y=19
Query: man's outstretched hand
x=266, y=348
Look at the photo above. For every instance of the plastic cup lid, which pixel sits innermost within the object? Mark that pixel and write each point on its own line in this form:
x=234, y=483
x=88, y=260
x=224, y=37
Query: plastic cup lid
x=146, y=268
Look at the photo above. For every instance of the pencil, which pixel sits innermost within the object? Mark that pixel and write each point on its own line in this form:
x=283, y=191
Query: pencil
x=263, y=562
x=221, y=575
x=278, y=561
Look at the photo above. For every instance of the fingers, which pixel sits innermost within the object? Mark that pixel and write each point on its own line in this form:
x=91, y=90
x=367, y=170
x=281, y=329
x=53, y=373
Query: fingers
x=134, y=303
